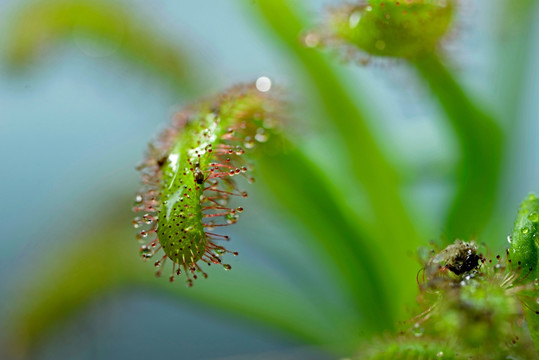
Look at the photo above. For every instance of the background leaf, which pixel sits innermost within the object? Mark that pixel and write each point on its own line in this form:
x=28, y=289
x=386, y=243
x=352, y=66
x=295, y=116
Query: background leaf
x=351, y=274
x=108, y=24
x=370, y=167
x=482, y=144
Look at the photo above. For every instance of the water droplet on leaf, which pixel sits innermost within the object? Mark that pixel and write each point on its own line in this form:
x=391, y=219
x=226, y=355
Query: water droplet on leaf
x=418, y=330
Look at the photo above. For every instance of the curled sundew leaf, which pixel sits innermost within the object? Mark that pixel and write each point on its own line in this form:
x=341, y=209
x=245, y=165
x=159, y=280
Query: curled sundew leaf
x=190, y=175
x=390, y=28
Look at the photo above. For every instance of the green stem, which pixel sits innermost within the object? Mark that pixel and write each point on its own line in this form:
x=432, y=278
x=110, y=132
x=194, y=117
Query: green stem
x=481, y=143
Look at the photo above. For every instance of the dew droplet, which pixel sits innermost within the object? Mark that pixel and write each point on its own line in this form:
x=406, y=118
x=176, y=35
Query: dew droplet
x=533, y=216
x=138, y=199
x=261, y=135
x=136, y=222
x=263, y=84
x=417, y=330
x=354, y=19
x=219, y=252
x=311, y=40
x=148, y=218
x=525, y=231
x=440, y=354
x=232, y=218
x=227, y=267
x=509, y=239
x=249, y=142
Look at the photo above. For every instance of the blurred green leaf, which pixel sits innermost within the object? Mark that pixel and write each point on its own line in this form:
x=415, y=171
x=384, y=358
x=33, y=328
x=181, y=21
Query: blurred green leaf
x=514, y=35
x=305, y=192
x=94, y=264
x=481, y=143
x=42, y=24
x=393, y=235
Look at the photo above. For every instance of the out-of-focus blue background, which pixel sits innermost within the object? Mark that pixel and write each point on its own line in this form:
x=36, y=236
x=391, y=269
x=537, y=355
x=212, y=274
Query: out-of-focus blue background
x=73, y=127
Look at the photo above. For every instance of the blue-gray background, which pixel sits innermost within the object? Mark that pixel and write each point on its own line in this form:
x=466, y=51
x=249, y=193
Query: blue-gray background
x=73, y=128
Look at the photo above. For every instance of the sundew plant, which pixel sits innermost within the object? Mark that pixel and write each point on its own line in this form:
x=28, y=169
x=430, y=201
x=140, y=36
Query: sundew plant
x=337, y=237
